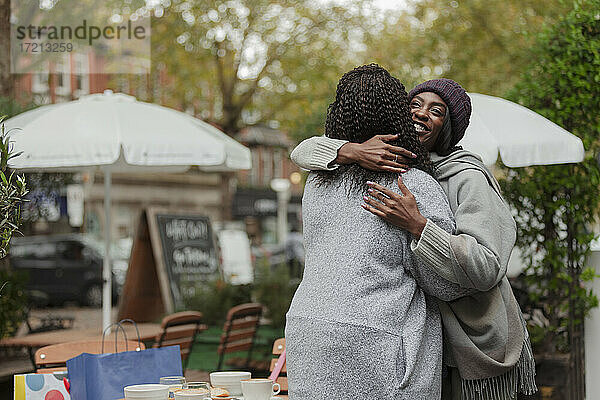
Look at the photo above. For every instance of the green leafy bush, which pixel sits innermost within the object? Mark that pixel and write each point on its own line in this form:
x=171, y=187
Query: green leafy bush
x=215, y=298
x=275, y=289
x=12, y=190
x=556, y=206
x=11, y=107
x=13, y=302
x=272, y=287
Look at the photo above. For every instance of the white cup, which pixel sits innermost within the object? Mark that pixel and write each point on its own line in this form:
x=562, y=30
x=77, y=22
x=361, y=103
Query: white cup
x=147, y=392
x=229, y=380
x=259, y=389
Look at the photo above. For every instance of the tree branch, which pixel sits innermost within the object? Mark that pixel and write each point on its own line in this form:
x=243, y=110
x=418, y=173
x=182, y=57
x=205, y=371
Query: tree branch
x=221, y=74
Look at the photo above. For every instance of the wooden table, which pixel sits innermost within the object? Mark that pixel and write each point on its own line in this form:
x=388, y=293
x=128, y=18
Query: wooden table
x=33, y=341
x=148, y=332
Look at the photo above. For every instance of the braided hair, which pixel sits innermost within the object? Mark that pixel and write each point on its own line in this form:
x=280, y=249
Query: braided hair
x=368, y=102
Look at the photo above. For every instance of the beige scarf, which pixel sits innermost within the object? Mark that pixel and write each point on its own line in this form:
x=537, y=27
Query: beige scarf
x=485, y=334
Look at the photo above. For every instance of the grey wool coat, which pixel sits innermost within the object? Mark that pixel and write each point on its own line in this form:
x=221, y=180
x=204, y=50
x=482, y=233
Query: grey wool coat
x=361, y=324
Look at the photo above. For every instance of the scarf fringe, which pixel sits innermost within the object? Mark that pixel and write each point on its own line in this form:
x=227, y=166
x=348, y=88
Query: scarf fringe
x=521, y=378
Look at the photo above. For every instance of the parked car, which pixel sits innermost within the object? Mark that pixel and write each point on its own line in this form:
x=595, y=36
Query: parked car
x=63, y=267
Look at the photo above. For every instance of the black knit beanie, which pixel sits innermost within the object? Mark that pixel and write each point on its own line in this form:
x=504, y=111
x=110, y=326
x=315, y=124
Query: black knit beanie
x=459, y=105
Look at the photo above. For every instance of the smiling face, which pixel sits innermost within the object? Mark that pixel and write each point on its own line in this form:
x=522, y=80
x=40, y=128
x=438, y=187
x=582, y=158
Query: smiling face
x=428, y=112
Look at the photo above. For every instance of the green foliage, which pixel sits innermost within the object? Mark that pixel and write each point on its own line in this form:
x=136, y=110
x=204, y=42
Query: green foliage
x=274, y=288
x=242, y=62
x=243, y=55
x=556, y=206
x=13, y=302
x=12, y=191
x=10, y=107
x=484, y=45
x=215, y=298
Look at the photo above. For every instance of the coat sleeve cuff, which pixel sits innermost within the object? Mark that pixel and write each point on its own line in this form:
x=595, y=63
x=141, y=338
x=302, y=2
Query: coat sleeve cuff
x=325, y=154
x=433, y=247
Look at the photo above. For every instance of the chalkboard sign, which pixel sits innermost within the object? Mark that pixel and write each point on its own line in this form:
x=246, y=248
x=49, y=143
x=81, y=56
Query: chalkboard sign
x=188, y=252
x=173, y=253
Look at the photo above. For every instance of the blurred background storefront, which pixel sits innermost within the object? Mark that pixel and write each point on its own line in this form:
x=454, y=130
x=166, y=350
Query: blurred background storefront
x=244, y=198
x=254, y=202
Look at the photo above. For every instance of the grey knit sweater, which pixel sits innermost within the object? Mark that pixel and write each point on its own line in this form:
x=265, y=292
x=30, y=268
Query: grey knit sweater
x=484, y=332
x=359, y=324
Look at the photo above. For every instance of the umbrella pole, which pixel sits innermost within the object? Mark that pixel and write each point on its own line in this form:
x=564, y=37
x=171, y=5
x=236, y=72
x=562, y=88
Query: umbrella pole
x=106, y=269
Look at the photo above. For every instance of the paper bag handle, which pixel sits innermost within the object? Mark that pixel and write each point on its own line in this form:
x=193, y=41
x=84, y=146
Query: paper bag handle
x=136, y=330
x=118, y=325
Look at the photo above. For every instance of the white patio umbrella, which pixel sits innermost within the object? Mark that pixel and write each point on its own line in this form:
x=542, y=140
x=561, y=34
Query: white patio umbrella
x=115, y=132
x=520, y=135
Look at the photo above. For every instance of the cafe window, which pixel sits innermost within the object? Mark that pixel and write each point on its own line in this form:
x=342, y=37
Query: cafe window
x=123, y=83
x=39, y=84
x=255, y=170
x=267, y=166
x=63, y=77
x=269, y=230
x=278, y=163
x=82, y=70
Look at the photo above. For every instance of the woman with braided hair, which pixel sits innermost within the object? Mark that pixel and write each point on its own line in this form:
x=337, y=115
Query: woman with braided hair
x=362, y=323
x=487, y=348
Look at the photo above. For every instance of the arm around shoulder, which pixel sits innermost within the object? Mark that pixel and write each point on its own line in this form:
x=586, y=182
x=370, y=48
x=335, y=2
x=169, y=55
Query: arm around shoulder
x=317, y=153
x=434, y=241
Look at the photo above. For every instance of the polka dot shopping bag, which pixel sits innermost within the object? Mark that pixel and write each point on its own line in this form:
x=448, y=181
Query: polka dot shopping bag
x=41, y=387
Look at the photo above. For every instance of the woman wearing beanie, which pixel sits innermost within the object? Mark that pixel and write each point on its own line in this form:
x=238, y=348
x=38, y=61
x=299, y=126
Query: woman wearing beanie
x=486, y=344
x=361, y=325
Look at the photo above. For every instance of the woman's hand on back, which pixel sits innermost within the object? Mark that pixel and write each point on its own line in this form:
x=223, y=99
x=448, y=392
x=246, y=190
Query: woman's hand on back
x=376, y=154
x=399, y=210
